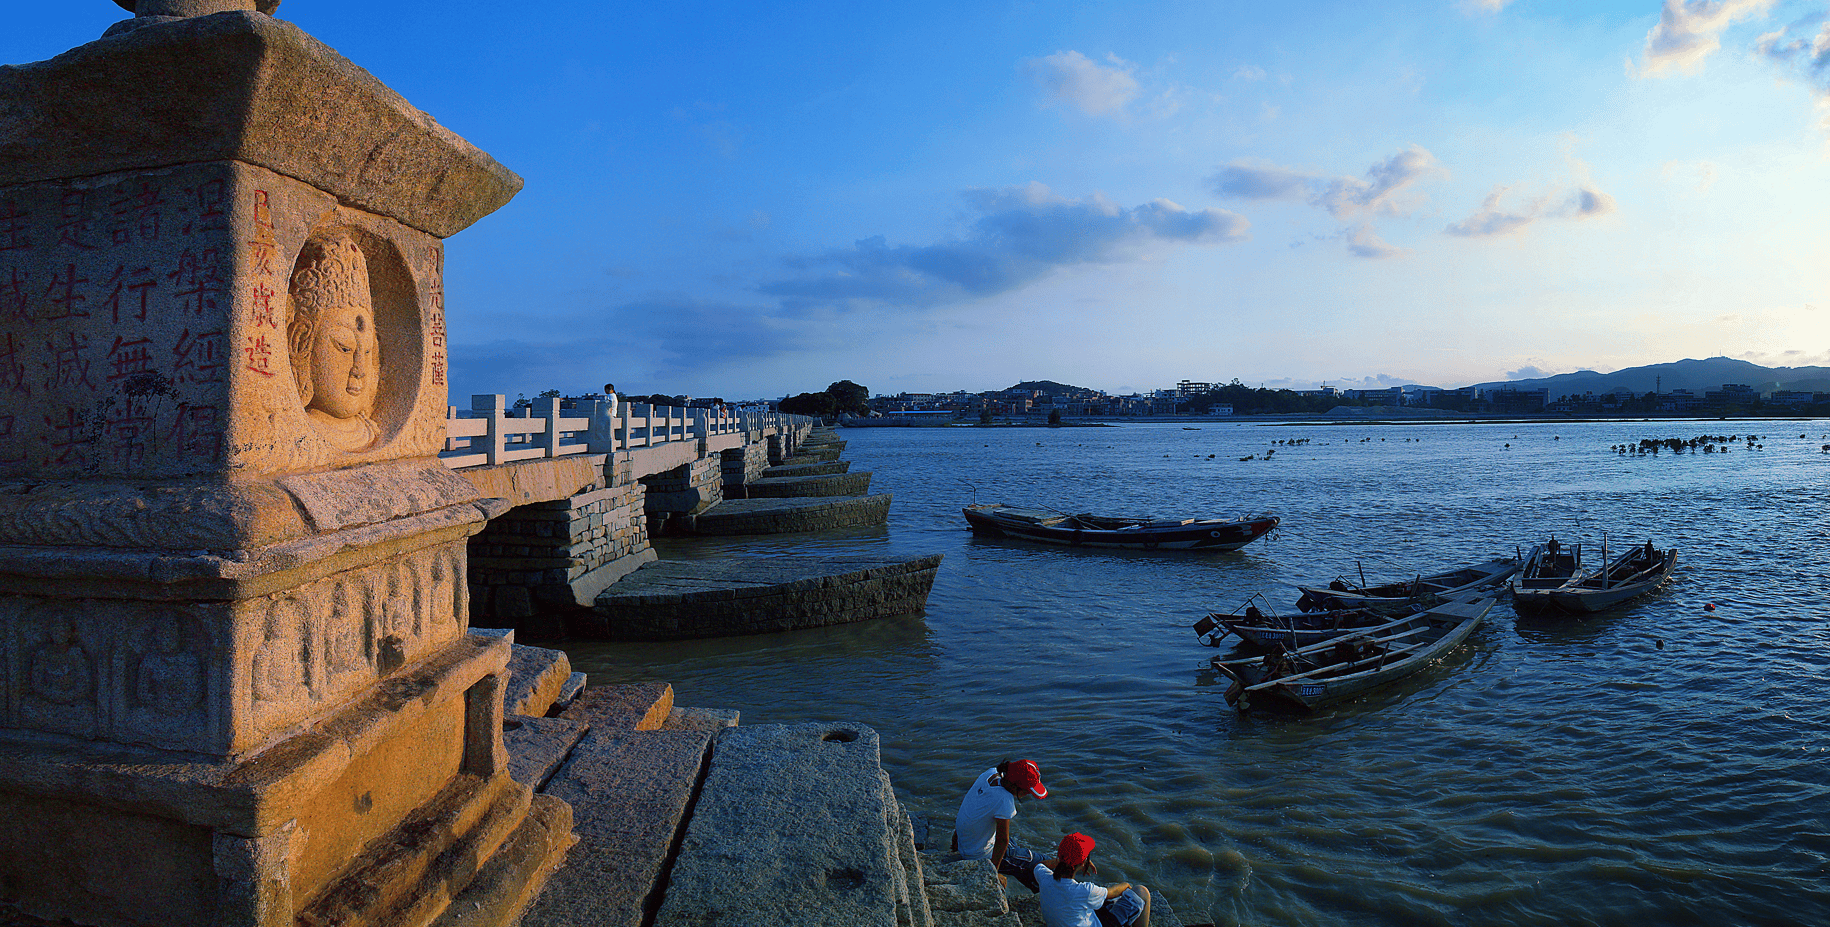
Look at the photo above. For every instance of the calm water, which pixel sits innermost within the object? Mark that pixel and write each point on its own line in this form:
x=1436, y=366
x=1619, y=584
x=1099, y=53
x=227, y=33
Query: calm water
x=1549, y=772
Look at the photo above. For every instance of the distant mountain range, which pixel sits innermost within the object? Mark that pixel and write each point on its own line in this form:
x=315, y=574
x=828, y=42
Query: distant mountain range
x=1698, y=376
x=1694, y=375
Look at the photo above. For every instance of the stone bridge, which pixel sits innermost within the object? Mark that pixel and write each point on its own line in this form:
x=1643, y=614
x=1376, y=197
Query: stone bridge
x=587, y=481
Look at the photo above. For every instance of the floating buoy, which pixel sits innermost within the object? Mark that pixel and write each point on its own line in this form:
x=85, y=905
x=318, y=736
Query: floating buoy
x=1659, y=643
x=1710, y=607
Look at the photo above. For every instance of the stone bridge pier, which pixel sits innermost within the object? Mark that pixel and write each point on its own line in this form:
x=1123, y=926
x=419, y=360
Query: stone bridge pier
x=579, y=523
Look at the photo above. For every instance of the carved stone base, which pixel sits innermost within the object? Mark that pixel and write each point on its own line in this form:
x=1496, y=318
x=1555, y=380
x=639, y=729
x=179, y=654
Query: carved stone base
x=378, y=813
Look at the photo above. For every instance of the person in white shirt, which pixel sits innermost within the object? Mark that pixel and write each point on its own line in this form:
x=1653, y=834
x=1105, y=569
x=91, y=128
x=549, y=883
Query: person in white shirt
x=982, y=829
x=1068, y=902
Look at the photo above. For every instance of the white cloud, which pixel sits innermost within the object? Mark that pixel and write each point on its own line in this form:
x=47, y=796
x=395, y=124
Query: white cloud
x=1578, y=198
x=1093, y=88
x=1246, y=180
x=1380, y=192
x=1489, y=221
x=1362, y=241
x=1689, y=31
x=1485, y=6
x=1249, y=72
x=1387, y=189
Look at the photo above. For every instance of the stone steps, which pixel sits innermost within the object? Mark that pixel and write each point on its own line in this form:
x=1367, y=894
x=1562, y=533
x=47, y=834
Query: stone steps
x=678, y=599
x=788, y=516
x=629, y=766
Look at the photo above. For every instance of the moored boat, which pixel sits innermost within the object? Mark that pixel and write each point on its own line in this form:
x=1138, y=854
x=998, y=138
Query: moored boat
x=1565, y=588
x=1327, y=672
x=1087, y=530
x=1263, y=629
x=1418, y=592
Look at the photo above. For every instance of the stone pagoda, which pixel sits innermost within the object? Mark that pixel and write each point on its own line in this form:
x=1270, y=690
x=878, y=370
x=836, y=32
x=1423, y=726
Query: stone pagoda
x=237, y=684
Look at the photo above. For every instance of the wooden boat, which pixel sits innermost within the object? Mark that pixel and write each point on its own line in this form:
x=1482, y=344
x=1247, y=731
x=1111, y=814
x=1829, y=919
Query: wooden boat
x=1557, y=587
x=1261, y=629
x=1411, y=594
x=991, y=518
x=1319, y=674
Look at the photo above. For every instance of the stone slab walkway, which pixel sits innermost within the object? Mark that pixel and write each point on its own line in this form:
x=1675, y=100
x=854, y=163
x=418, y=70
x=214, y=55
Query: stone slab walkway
x=811, y=469
x=788, y=516
x=855, y=483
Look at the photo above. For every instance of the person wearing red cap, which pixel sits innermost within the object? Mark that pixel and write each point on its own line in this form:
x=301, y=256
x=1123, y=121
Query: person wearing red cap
x=1068, y=902
x=982, y=829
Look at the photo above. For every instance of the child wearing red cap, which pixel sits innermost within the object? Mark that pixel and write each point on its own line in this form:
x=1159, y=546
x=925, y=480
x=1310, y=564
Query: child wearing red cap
x=982, y=829
x=1068, y=902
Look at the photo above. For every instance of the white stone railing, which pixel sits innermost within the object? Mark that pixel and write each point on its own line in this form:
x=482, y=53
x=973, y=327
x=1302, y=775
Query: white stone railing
x=490, y=432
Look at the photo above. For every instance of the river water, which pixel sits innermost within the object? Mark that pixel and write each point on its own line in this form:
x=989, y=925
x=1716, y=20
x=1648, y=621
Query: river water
x=1661, y=764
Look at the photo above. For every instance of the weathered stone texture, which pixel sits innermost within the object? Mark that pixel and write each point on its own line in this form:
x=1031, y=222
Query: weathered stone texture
x=822, y=468
x=635, y=706
x=687, y=489
x=537, y=746
x=557, y=554
x=679, y=599
x=785, y=516
x=536, y=676
x=157, y=348
x=631, y=790
x=831, y=484
x=804, y=819
x=250, y=88
x=740, y=465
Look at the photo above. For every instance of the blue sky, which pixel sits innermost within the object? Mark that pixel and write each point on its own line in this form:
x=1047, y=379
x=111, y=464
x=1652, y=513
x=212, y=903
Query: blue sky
x=746, y=200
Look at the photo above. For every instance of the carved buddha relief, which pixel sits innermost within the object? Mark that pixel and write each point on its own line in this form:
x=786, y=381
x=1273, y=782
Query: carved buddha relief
x=334, y=345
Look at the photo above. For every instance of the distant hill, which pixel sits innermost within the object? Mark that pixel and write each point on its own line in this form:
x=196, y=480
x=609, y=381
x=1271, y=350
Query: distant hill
x=1697, y=376
x=1051, y=388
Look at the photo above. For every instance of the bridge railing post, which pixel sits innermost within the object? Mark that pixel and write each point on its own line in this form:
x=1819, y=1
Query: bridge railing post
x=493, y=407
x=547, y=407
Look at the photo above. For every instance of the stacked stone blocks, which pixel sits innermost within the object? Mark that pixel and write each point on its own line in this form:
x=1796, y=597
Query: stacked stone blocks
x=742, y=466
x=534, y=553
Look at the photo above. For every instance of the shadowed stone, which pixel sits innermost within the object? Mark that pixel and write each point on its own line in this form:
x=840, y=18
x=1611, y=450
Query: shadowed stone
x=631, y=790
x=811, y=469
x=788, y=516
x=536, y=676
x=833, y=484
x=537, y=746
x=797, y=823
x=676, y=599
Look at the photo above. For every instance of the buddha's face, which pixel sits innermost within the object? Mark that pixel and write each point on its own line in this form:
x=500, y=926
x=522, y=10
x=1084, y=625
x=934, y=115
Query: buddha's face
x=345, y=362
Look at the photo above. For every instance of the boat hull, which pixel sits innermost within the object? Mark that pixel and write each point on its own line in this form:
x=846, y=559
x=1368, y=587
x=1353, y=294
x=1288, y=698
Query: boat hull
x=1579, y=597
x=1437, y=631
x=1420, y=593
x=1196, y=535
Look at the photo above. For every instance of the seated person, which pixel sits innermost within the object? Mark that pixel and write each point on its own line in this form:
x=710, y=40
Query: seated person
x=982, y=829
x=1068, y=902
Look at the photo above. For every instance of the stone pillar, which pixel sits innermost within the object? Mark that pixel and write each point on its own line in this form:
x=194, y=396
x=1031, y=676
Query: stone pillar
x=536, y=561
x=743, y=465
x=236, y=680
